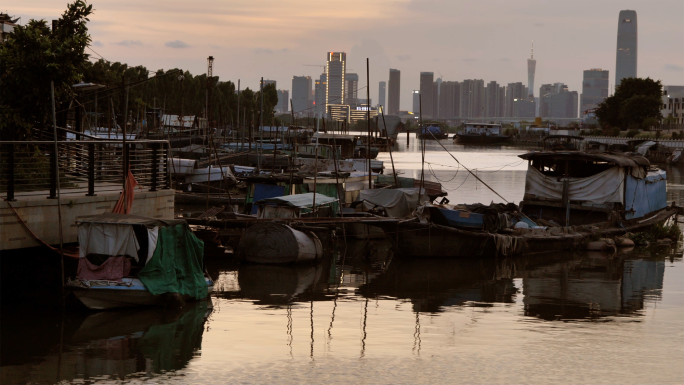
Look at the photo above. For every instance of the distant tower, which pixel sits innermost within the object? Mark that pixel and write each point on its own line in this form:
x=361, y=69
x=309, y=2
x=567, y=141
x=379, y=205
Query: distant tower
x=335, y=72
x=531, y=66
x=393, y=89
x=381, y=93
x=626, y=57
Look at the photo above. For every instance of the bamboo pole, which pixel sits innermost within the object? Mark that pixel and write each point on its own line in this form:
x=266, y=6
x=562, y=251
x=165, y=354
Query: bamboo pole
x=59, y=194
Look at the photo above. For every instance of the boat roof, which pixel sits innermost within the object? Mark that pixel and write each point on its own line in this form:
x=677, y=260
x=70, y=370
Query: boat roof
x=128, y=219
x=619, y=159
x=299, y=200
x=335, y=136
x=483, y=124
x=563, y=137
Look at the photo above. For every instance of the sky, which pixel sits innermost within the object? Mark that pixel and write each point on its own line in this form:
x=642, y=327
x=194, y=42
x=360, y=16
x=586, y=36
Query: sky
x=467, y=39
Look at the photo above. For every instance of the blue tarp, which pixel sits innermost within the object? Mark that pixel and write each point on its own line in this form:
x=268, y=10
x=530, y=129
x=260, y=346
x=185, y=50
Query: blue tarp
x=265, y=191
x=431, y=129
x=645, y=195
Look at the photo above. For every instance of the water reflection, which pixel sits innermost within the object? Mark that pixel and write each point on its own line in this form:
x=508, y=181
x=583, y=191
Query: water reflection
x=110, y=345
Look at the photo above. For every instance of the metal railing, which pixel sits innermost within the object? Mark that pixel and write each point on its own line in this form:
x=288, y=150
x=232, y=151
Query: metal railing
x=27, y=168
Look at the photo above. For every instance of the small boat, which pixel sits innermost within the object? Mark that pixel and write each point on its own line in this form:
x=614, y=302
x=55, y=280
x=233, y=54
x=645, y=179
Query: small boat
x=129, y=260
x=481, y=133
x=570, y=196
x=431, y=132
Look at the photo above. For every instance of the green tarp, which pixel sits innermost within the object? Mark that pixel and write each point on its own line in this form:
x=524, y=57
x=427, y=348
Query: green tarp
x=176, y=266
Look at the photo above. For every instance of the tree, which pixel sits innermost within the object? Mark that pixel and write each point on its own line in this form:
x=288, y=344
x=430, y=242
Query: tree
x=635, y=111
x=32, y=57
x=635, y=99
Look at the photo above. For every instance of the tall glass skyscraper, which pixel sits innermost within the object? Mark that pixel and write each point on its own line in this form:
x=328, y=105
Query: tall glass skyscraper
x=626, y=57
x=335, y=72
x=393, y=90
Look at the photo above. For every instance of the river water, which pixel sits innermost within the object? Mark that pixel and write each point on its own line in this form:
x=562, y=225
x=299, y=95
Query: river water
x=365, y=316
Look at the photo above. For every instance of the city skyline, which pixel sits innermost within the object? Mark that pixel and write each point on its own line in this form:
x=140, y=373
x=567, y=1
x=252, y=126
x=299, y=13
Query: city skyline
x=569, y=40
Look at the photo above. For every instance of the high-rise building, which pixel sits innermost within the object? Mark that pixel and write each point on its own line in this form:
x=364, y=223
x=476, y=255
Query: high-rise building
x=494, y=100
x=427, y=90
x=351, y=89
x=283, y=101
x=556, y=101
x=513, y=91
x=531, y=66
x=335, y=73
x=381, y=93
x=472, y=100
x=626, y=56
x=267, y=82
x=301, y=92
x=594, y=89
x=415, y=97
x=319, y=96
x=449, y=99
x=393, y=91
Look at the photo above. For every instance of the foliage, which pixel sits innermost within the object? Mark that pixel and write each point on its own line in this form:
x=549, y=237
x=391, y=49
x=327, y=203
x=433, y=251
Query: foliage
x=635, y=99
x=632, y=133
x=656, y=232
x=611, y=131
x=33, y=56
x=649, y=122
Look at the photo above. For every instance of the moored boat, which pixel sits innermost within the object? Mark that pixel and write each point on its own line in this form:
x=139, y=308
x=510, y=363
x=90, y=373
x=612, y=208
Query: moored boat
x=129, y=260
x=570, y=197
x=431, y=132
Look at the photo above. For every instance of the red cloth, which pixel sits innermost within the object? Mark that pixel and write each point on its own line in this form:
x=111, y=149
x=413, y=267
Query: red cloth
x=113, y=269
x=128, y=194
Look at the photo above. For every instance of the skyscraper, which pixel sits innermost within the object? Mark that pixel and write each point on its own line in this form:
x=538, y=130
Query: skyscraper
x=283, y=101
x=494, y=100
x=393, y=91
x=335, y=73
x=351, y=88
x=449, y=99
x=319, y=95
x=301, y=91
x=381, y=93
x=531, y=66
x=426, y=94
x=626, y=56
x=513, y=91
x=415, y=95
x=472, y=101
x=594, y=89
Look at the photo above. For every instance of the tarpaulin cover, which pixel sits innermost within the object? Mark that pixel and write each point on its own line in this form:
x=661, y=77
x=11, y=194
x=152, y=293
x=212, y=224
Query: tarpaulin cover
x=113, y=269
x=430, y=129
x=176, y=266
x=299, y=200
x=262, y=191
x=398, y=203
x=604, y=187
x=646, y=195
x=107, y=239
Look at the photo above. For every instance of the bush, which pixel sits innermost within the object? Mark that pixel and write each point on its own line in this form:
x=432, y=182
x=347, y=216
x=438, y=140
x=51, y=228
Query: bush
x=656, y=232
x=674, y=135
x=632, y=133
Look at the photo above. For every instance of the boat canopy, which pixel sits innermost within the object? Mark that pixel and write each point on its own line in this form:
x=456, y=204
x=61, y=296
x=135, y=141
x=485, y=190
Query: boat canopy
x=298, y=200
x=622, y=160
x=430, y=130
x=398, y=203
x=173, y=261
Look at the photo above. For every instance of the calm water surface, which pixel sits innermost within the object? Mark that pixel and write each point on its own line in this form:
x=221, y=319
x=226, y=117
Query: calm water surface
x=364, y=316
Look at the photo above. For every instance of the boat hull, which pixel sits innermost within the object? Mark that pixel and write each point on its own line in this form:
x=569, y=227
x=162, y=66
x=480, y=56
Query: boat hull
x=414, y=239
x=121, y=296
x=481, y=139
x=433, y=136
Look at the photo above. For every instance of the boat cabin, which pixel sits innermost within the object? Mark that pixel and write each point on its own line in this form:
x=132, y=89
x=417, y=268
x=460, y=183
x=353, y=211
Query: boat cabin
x=297, y=206
x=577, y=188
x=562, y=143
x=486, y=129
x=346, y=144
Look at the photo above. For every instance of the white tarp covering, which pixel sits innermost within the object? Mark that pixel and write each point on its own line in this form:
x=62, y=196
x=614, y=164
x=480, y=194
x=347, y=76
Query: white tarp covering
x=604, y=187
x=398, y=203
x=107, y=239
x=644, y=147
x=152, y=235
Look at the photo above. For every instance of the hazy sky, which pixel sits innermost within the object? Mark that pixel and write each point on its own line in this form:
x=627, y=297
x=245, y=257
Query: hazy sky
x=481, y=39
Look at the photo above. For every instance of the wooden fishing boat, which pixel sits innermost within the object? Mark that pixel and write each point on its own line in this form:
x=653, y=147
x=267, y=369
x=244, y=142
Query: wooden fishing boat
x=125, y=261
x=570, y=196
x=431, y=132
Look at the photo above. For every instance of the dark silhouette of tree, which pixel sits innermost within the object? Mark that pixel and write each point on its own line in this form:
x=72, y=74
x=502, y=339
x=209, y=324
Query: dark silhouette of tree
x=635, y=100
